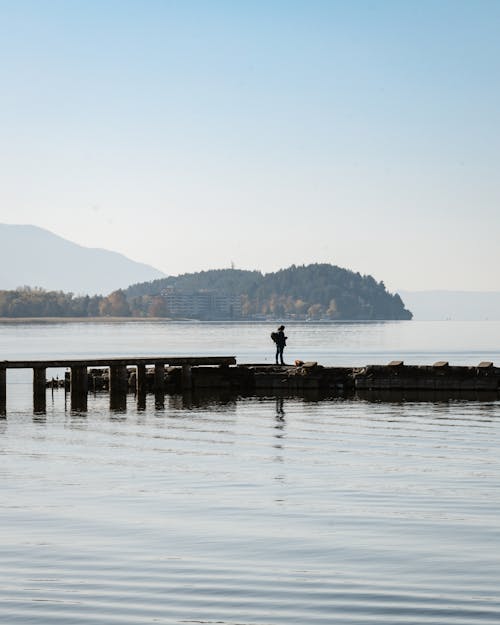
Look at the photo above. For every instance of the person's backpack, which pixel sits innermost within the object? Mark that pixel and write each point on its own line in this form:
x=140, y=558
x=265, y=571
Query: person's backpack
x=274, y=337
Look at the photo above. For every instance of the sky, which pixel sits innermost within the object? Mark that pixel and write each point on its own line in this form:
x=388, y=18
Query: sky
x=195, y=135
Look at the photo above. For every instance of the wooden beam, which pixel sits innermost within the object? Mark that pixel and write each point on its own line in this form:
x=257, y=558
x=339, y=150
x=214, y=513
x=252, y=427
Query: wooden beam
x=130, y=361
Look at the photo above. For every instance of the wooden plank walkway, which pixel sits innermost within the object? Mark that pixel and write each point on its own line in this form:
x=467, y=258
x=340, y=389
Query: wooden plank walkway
x=173, y=361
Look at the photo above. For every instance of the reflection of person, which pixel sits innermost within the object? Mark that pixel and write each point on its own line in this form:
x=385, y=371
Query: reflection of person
x=280, y=344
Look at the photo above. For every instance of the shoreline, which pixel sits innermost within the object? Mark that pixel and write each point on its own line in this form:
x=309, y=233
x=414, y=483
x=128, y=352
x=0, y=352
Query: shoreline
x=12, y=320
x=82, y=319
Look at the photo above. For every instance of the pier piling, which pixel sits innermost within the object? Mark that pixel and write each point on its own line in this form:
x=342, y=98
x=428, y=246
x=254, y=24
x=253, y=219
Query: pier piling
x=187, y=378
x=39, y=389
x=159, y=381
x=159, y=384
x=79, y=387
x=140, y=386
x=76, y=380
x=3, y=392
x=118, y=386
x=140, y=380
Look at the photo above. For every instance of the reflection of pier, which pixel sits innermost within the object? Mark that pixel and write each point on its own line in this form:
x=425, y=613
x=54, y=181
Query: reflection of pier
x=118, y=376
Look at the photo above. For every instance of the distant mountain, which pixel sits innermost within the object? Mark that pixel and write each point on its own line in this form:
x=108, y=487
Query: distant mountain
x=317, y=291
x=456, y=305
x=32, y=256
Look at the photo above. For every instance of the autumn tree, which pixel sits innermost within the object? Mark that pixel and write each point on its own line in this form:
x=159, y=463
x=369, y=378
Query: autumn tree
x=158, y=307
x=115, y=305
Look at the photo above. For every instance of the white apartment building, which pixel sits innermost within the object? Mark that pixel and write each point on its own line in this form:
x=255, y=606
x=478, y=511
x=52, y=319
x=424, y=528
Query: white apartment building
x=202, y=304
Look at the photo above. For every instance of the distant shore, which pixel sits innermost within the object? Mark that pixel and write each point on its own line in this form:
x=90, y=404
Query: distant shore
x=82, y=319
x=7, y=320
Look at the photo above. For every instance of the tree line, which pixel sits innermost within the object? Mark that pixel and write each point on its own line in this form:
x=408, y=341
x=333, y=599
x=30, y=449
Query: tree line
x=36, y=302
x=314, y=291
x=318, y=291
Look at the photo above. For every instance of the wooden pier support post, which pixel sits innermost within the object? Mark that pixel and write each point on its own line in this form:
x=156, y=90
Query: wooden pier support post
x=39, y=389
x=79, y=387
x=187, y=378
x=3, y=392
x=140, y=386
x=159, y=384
x=118, y=386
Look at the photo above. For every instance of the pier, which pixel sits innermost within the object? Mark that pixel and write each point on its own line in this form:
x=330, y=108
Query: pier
x=119, y=372
x=162, y=375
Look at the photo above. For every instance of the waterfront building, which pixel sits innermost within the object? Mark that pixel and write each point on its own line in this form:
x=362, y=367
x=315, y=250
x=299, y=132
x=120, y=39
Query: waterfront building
x=203, y=304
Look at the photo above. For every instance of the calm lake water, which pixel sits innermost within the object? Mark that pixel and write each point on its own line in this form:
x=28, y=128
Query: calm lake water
x=251, y=511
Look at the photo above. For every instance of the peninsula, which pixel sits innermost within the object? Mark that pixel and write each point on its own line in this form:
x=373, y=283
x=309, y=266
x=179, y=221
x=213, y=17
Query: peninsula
x=307, y=292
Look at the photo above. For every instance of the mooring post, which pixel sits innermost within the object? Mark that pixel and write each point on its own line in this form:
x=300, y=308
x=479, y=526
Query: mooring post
x=39, y=389
x=187, y=378
x=118, y=385
x=79, y=387
x=3, y=392
x=140, y=386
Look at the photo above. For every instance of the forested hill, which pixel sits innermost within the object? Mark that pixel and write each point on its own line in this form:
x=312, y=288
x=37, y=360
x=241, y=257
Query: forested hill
x=318, y=291
x=229, y=281
x=306, y=292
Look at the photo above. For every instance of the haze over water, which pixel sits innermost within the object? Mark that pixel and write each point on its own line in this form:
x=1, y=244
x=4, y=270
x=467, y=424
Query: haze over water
x=251, y=511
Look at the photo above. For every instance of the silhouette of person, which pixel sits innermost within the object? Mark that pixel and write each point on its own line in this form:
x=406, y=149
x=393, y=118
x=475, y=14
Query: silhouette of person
x=280, y=345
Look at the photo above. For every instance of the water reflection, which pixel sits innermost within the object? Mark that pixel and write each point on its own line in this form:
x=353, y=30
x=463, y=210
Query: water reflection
x=273, y=509
x=280, y=411
x=77, y=420
x=398, y=396
x=140, y=398
x=159, y=400
x=191, y=400
x=118, y=403
x=40, y=418
x=194, y=399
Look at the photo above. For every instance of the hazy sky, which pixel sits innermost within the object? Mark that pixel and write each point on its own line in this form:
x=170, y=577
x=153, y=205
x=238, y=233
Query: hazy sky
x=191, y=134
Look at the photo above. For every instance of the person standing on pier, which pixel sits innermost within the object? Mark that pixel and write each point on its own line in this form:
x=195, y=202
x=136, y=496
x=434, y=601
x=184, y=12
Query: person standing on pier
x=280, y=344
